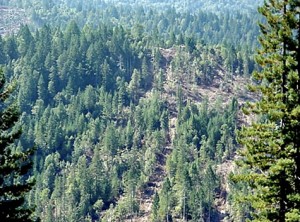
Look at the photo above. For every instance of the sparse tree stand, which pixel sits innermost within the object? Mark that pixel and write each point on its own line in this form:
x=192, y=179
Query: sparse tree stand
x=272, y=142
x=14, y=166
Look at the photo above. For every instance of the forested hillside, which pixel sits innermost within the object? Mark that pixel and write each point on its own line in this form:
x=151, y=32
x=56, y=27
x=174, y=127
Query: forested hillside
x=163, y=23
x=240, y=5
x=133, y=107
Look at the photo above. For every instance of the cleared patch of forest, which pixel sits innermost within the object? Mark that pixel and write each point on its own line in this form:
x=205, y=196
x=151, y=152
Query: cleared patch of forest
x=11, y=19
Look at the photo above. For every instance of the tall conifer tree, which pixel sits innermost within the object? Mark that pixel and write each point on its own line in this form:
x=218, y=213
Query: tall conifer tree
x=272, y=142
x=14, y=166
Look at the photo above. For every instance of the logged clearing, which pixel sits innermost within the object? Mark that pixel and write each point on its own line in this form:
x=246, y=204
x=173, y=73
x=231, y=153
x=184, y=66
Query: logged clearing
x=11, y=19
x=220, y=90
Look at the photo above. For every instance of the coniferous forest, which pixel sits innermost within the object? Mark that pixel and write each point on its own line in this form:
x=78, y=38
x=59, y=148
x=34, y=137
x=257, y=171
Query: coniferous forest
x=171, y=110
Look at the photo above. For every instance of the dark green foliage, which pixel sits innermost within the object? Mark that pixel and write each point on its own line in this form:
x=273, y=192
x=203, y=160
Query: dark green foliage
x=191, y=165
x=271, y=154
x=15, y=165
x=155, y=208
x=97, y=101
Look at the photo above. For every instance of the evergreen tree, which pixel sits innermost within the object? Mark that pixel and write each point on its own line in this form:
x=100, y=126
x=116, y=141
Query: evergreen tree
x=165, y=200
x=134, y=85
x=155, y=207
x=272, y=143
x=14, y=165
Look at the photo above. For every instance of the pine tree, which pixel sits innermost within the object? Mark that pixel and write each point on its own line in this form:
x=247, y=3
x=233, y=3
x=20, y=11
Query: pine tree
x=155, y=208
x=165, y=200
x=272, y=142
x=14, y=165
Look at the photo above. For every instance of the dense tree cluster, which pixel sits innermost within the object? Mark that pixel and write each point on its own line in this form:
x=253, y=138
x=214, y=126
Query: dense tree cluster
x=164, y=21
x=82, y=97
x=204, y=138
x=93, y=93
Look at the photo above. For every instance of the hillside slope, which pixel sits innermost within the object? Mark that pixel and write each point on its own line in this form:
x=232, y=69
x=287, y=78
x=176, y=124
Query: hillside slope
x=131, y=123
x=220, y=90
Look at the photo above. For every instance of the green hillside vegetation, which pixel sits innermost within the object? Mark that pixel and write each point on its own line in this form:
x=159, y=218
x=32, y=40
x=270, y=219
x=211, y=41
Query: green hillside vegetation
x=94, y=102
x=133, y=108
x=238, y=28
x=110, y=108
